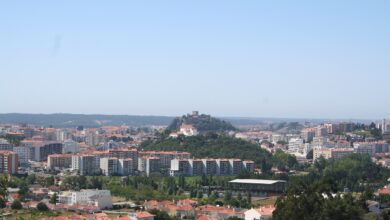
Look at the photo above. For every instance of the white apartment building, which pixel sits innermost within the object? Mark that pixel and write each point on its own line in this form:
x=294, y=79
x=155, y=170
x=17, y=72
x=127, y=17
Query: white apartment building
x=148, y=165
x=23, y=154
x=295, y=145
x=198, y=167
x=114, y=166
x=98, y=198
x=5, y=145
x=334, y=153
x=70, y=146
x=86, y=164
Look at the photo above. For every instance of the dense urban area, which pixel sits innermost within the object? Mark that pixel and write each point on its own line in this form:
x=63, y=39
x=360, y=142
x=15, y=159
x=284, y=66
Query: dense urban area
x=196, y=167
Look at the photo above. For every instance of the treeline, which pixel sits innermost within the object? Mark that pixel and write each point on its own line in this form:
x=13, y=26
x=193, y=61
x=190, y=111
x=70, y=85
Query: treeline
x=355, y=172
x=324, y=192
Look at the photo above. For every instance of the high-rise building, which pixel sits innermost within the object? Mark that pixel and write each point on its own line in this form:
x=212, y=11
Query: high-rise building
x=70, y=146
x=59, y=161
x=86, y=164
x=224, y=167
x=5, y=145
x=9, y=162
x=328, y=153
x=122, y=153
x=114, y=166
x=109, y=166
x=39, y=150
x=23, y=155
x=210, y=166
x=149, y=165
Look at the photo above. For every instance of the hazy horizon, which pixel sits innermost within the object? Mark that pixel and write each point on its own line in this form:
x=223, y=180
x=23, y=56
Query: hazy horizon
x=287, y=59
x=218, y=116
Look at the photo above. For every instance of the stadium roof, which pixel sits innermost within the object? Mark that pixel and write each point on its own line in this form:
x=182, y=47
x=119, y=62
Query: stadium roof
x=256, y=181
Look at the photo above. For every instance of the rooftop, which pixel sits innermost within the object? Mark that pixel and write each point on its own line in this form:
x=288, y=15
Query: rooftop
x=257, y=181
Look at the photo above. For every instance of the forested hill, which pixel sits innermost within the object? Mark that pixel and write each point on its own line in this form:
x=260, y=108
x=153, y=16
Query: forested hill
x=213, y=146
x=203, y=123
x=73, y=120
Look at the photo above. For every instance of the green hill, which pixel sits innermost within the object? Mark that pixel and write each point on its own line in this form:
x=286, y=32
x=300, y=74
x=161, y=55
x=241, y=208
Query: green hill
x=212, y=146
x=203, y=123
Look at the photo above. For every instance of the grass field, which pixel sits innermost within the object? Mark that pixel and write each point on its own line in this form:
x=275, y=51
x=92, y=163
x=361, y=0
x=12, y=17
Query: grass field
x=265, y=201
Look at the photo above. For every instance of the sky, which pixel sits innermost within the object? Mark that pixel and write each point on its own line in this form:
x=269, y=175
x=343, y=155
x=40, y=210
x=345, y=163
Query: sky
x=304, y=59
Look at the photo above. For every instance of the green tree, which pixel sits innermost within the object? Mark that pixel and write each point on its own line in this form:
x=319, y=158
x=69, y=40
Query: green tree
x=160, y=215
x=42, y=207
x=53, y=199
x=16, y=204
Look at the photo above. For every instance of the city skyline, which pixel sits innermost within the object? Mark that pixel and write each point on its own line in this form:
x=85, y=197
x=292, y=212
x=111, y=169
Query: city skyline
x=252, y=59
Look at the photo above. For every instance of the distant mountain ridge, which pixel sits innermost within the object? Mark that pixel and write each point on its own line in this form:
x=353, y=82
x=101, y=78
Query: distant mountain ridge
x=61, y=120
x=66, y=120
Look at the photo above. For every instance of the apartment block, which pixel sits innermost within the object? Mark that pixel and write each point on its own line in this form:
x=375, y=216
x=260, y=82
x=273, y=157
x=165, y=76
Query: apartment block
x=148, y=165
x=208, y=166
x=9, y=162
x=334, y=153
x=86, y=164
x=59, y=161
x=40, y=150
x=166, y=156
x=98, y=198
x=23, y=155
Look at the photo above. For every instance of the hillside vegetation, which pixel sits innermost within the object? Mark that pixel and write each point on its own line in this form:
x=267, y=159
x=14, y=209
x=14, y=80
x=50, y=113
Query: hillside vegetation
x=215, y=146
x=203, y=123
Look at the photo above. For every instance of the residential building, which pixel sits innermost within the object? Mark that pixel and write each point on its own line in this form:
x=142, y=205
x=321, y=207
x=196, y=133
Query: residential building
x=122, y=153
x=321, y=131
x=295, y=145
x=59, y=161
x=9, y=162
x=23, y=155
x=166, y=156
x=5, y=145
x=109, y=166
x=371, y=147
x=137, y=216
x=224, y=166
x=249, y=165
x=113, y=166
x=261, y=213
x=210, y=167
x=39, y=150
x=334, y=153
x=70, y=146
x=236, y=166
x=181, y=167
x=148, y=165
x=99, y=198
x=188, y=130
x=308, y=134
x=86, y=164
x=198, y=167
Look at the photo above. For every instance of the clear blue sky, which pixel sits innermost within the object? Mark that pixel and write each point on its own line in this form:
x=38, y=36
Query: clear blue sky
x=318, y=59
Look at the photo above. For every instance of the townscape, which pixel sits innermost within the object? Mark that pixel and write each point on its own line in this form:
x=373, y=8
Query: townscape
x=161, y=172
x=198, y=110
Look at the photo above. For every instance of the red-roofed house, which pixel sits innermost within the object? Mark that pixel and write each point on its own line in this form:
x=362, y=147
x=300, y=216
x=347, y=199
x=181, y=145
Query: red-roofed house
x=137, y=216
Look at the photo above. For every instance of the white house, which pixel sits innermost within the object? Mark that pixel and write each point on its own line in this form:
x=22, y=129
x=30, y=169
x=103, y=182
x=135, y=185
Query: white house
x=99, y=198
x=262, y=213
x=188, y=130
